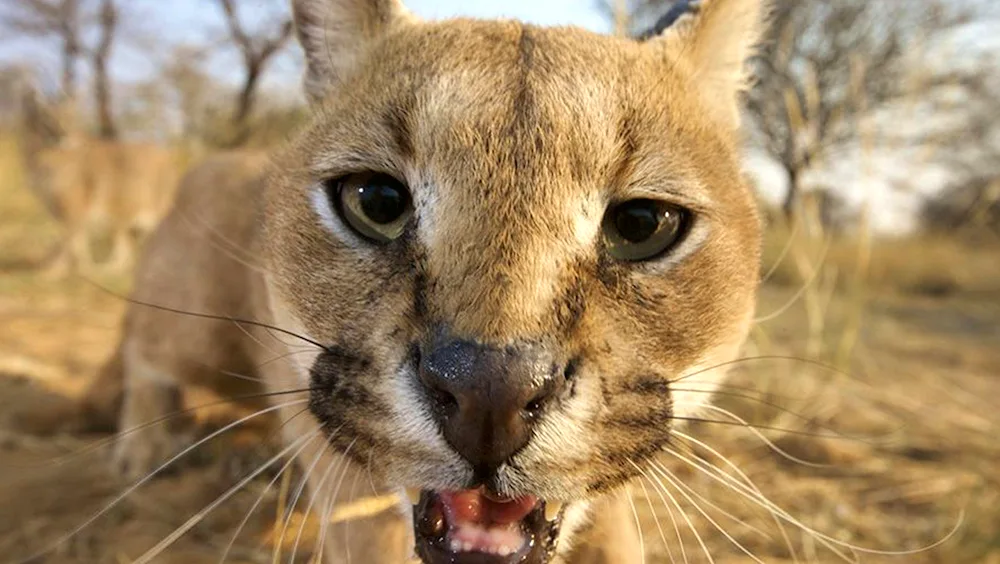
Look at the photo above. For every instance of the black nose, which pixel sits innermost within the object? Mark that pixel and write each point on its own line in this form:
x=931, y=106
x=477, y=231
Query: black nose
x=488, y=399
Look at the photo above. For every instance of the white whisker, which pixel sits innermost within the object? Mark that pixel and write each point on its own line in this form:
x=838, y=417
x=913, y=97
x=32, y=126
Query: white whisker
x=196, y=518
x=684, y=515
x=801, y=291
x=656, y=519
x=770, y=444
x=128, y=491
x=260, y=498
x=313, y=495
x=714, y=506
x=747, y=493
x=295, y=501
x=739, y=472
x=638, y=526
x=826, y=540
x=672, y=479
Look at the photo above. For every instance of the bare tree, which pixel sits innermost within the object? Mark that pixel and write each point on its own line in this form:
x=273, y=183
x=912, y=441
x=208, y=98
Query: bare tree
x=830, y=65
x=967, y=143
x=99, y=55
x=50, y=19
x=256, y=53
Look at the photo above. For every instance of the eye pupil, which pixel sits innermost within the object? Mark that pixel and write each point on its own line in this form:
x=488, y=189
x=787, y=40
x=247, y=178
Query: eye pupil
x=375, y=205
x=642, y=229
x=382, y=201
x=637, y=222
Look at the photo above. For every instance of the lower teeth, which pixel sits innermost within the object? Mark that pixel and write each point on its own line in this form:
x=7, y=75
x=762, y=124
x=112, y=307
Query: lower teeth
x=552, y=509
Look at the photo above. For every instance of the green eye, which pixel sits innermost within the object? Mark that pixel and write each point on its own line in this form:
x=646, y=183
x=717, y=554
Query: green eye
x=642, y=229
x=375, y=205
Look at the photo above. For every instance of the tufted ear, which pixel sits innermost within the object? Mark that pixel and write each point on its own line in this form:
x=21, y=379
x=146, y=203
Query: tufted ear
x=714, y=39
x=336, y=33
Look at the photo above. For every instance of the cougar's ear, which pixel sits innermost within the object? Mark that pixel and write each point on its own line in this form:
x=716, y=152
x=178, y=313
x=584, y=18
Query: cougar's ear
x=713, y=40
x=336, y=33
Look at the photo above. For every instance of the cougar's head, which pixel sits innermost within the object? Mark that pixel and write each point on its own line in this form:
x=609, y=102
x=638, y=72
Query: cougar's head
x=526, y=252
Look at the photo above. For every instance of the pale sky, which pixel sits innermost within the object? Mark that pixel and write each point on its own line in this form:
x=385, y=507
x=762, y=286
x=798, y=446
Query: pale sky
x=154, y=25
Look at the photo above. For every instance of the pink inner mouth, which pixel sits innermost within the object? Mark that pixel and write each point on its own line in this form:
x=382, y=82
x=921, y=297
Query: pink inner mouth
x=481, y=523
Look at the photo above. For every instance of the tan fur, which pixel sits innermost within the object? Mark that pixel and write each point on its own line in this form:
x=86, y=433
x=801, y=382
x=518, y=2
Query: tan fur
x=87, y=184
x=513, y=139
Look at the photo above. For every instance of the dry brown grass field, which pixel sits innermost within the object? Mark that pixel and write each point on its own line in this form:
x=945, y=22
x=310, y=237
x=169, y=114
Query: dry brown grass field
x=870, y=396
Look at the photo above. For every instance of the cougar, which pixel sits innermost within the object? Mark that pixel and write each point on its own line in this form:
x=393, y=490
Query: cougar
x=87, y=185
x=500, y=265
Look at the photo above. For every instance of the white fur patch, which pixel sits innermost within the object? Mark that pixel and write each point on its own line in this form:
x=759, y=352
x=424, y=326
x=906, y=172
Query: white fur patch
x=413, y=423
x=321, y=205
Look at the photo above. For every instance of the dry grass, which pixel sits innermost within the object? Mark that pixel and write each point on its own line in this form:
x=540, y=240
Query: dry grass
x=926, y=264
x=899, y=422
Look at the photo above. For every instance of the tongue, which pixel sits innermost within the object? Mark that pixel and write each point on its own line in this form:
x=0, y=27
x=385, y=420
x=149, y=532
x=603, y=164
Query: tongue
x=472, y=506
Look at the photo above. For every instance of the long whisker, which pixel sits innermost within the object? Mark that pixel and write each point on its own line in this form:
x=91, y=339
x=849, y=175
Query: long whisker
x=671, y=478
x=320, y=543
x=336, y=492
x=752, y=426
x=770, y=444
x=784, y=252
x=295, y=500
x=138, y=483
x=170, y=539
x=801, y=291
x=638, y=526
x=761, y=500
x=823, y=538
x=815, y=363
x=200, y=315
x=347, y=524
x=260, y=498
x=336, y=462
x=670, y=513
x=739, y=472
x=781, y=409
x=680, y=483
x=63, y=459
x=223, y=243
x=314, y=493
x=684, y=515
x=656, y=519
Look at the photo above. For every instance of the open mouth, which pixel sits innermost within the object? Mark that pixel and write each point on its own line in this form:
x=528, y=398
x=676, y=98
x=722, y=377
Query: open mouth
x=475, y=527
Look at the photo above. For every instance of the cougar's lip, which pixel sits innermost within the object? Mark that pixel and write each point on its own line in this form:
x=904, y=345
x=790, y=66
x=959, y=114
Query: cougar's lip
x=475, y=527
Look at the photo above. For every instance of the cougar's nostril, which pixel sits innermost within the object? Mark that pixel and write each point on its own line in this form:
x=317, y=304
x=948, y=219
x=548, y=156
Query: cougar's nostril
x=415, y=356
x=534, y=406
x=488, y=399
x=444, y=399
x=571, y=367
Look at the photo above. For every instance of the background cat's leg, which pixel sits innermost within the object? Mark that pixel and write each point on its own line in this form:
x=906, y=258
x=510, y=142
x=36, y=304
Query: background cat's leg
x=151, y=393
x=121, y=250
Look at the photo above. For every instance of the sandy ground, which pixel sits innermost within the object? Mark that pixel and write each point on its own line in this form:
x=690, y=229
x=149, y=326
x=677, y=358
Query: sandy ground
x=923, y=396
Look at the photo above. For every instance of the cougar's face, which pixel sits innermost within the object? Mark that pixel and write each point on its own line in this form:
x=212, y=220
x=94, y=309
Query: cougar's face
x=525, y=251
